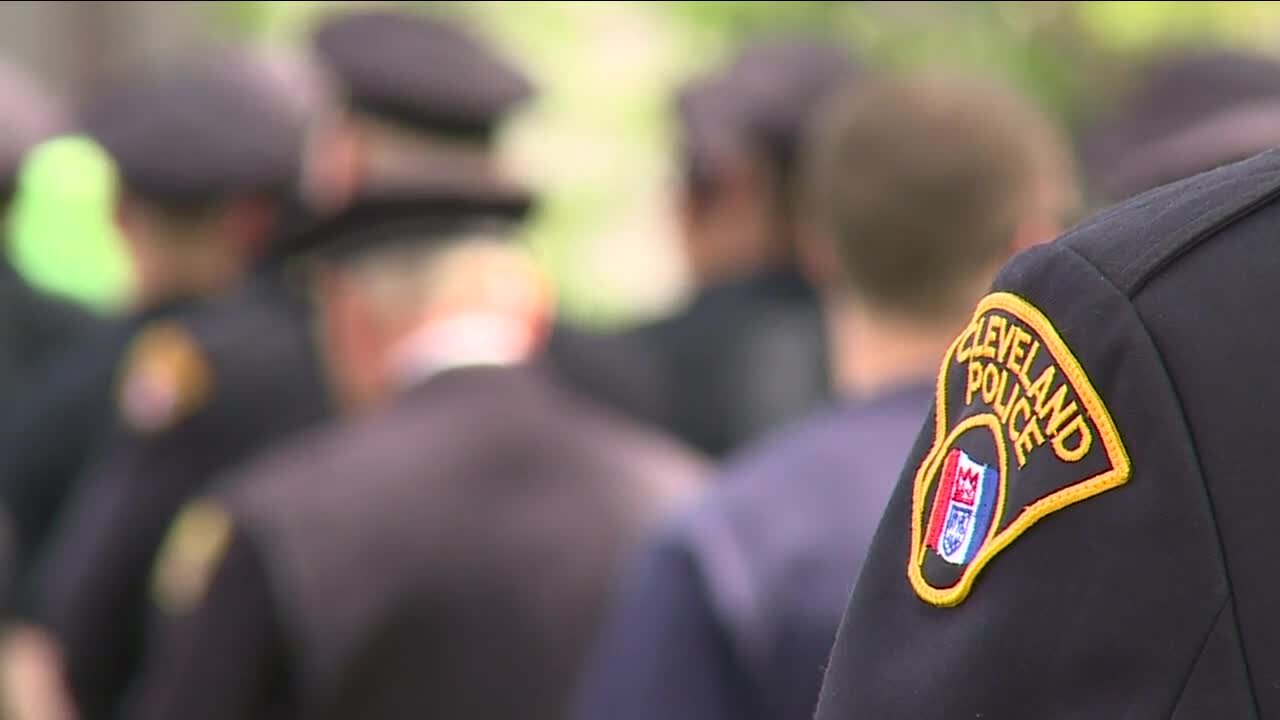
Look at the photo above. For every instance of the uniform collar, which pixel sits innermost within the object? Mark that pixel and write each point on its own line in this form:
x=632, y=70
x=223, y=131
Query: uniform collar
x=463, y=341
x=904, y=391
x=773, y=282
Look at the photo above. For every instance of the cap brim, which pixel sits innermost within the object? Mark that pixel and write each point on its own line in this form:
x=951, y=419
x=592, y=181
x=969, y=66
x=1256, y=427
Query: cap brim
x=1228, y=136
x=420, y=213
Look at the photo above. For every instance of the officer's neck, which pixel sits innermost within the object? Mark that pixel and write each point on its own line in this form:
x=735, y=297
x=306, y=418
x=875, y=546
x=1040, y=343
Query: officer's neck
x=874, y=351
x=458, y=341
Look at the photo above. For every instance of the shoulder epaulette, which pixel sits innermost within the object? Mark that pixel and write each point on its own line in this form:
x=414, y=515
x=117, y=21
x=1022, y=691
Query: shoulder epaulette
x=1161, y=225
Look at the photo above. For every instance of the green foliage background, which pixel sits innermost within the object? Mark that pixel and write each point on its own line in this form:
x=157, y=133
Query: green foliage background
x=597, y=141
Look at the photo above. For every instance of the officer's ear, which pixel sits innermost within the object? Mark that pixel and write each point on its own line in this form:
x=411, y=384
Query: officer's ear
x=350, y=340
x=734, y=221
x=247, y=225
x=126, y=213
x=816, y=253
x=1052, y=204
x=1033, y=232
x=334, y=165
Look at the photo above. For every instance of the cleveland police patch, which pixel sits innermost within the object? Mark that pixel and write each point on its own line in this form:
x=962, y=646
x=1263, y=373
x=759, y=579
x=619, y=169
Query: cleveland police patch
x=1020, y=433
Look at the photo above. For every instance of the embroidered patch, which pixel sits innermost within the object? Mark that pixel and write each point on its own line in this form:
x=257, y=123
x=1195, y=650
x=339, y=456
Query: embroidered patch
x=166, y=378
x=1020, y=433
x=190, y=556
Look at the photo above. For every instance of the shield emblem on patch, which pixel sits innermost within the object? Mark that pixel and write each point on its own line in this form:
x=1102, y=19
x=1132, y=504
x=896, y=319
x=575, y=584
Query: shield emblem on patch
x=962, y=507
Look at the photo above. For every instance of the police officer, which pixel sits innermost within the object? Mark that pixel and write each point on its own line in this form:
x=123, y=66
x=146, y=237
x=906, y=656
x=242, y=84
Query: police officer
x=423, y=96
x=1085, y=528
x=33, y=325
x=748, y=351
x=1189, y=112
x=923, y=187
x=470, y=531
x=192, y=227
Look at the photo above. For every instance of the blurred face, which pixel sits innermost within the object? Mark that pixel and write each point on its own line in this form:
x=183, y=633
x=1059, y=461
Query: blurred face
x=333, y=165
x=191, y=254
x=730, y=231
x=389, y=322
x=1053, y=203
x=353, y=341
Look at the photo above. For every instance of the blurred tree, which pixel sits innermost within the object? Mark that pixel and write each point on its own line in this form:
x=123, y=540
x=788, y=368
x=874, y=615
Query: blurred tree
x=598, y=140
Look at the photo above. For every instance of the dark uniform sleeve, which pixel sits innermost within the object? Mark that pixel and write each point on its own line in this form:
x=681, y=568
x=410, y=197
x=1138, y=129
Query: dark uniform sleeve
x=91, y=583
x=225, y=657
x=1049, y=550
x=93, y=586
x=48, y=433
x=662, y=654
x=192, y=411
x=56, y=325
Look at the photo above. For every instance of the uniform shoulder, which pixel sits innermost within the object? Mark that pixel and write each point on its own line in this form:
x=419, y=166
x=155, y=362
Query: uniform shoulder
x=247, y=351
x=250, y=320
x=830, y=470
x=648, y=460
x=1136, y=240
x=1085, y=434
x=59, y=319
x=658, y=454
x=827, y=440
x=337, y=451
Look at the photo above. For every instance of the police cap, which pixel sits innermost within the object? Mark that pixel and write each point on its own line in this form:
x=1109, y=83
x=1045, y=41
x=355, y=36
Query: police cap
x=27, y=116
x=420, y=71
x=1190, y=112
x=708, y=118
x=201, y=130
x=780, y=85
x=1087, y=526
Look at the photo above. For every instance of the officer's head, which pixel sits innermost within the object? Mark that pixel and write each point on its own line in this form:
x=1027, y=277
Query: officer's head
x=741, y=131
x=423, y=96
x=209, y=155
x=923, y=186
x=27, y=115
x=1189, y=112
x=413, y=278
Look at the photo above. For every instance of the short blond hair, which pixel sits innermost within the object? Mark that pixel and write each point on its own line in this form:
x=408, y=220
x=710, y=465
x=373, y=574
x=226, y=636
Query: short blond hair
x=468, y=271
x=921, y=182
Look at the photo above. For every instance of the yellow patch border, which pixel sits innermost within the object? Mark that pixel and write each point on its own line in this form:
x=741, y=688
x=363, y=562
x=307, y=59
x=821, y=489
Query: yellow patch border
x=1117, y=475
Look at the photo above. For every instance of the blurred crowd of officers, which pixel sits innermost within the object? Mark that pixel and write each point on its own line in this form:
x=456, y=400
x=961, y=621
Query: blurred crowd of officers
x=342, y=459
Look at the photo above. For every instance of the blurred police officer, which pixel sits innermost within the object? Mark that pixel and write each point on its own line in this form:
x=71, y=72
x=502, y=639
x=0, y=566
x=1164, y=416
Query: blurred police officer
x=205, y=157
x=1122, y=474
x=33, y=325
x=424, y=97
x=1189, y=112
x=922, y=188
x=749, y=349
x=470, y=532
x=208, y=157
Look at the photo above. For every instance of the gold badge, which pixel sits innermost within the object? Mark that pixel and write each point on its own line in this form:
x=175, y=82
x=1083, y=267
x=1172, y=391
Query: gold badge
x=1020, y=432
x=166, y=378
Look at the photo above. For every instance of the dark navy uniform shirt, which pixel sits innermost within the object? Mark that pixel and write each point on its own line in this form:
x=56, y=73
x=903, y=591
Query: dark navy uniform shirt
x=263, y=383
x=730, y=613
x=51, y=428
x=463, y=576
x=1087, y=527
x=739, y=360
